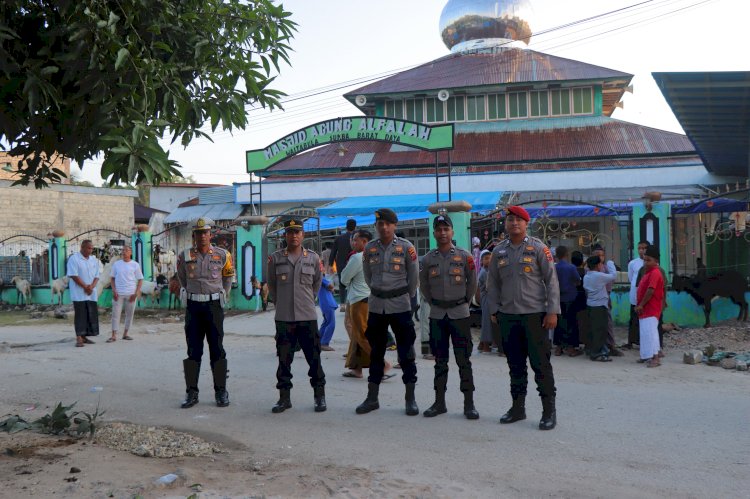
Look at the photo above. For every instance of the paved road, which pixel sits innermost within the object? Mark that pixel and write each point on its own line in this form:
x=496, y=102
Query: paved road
x=623, y=430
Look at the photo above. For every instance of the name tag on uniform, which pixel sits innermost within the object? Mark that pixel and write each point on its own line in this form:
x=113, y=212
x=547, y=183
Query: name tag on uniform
x=502, y=253
x=529, y=248
x=373, y=250
x=216, y=257
x=456, y=270
x=456, y=258
x=396, y=259
x=527, y=259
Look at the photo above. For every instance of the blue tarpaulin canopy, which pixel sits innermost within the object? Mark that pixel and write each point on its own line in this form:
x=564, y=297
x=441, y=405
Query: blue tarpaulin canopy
x=679, y=207
x=406, y=203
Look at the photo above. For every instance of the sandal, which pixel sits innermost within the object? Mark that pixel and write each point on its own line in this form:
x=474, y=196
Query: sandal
x=350, y=374
x=80, y=345
x=602, y=358
x=127, y=337
x=86, y=340
x=112, y=339
x=653, y=362
x=387, y=376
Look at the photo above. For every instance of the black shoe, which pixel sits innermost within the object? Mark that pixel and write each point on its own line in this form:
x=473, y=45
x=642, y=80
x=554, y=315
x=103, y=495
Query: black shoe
x=549, y=414
x=320, y=400
x=191, y=399
x=222, y=397
x=284, y=403
x=470, y=412
x=412, y=409
x=371, y=402
x=435, y=409
x=516, y=413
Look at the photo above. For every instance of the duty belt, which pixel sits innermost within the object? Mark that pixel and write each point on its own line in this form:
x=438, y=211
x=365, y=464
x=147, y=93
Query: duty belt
x=197, y=297
x=391, y=293
x=448, y=303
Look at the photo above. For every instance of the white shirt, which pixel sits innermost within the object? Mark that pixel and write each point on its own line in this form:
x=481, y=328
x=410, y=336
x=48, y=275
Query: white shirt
x=634, y=266
x=353, y=277
x=126, y=276
x=595, y=283
x=87, y=269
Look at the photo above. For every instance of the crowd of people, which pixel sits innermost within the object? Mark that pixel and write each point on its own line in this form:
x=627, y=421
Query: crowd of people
x=528, y=296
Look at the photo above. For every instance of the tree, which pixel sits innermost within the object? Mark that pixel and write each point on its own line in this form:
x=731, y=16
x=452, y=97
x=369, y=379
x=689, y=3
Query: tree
x=82, y=76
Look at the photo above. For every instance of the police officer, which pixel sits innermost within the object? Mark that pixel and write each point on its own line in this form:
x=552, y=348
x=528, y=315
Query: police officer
x=205, y=272
x=522, y=287
x=294, y=278
x=392, y=273
x=448, y=280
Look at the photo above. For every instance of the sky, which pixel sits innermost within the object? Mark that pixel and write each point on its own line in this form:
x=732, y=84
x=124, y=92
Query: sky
x=339, y=41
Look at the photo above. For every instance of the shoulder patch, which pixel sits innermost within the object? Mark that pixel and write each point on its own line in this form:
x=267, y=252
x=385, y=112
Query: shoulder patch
x=548, y=254
x=412, y=253
x=470, y=260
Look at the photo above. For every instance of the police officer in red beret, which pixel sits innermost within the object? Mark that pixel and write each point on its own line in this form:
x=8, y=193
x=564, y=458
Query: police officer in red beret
x=524, y=293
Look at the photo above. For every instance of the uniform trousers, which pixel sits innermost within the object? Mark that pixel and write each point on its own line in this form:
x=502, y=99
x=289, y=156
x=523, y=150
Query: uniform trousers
x=377, y=335
x=204, y=319
x=523, y=336
x=457, y=331
x=306, y=334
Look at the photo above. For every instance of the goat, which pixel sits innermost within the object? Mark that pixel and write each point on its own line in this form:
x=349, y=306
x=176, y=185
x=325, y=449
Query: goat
x=726, y=284
x=264, y=294
x=153, y=289
x=23, y=288
x=174, y=292
x=57, y=287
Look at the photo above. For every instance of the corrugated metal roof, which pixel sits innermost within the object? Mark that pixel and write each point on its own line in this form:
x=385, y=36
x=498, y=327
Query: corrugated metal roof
x=507, y=145
x=362, y=159
x=216, y=195
x=406, y=203
x=212, y=211
x=508, y=66
x=714, y=110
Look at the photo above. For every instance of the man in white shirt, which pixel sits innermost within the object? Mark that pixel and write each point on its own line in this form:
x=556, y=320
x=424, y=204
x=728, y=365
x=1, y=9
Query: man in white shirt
x=83, y=271
x=633, y=267
x=127, y=279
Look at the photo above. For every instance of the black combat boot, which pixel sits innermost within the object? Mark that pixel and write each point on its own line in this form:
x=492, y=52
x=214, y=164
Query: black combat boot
x=438, y=407
x=517, y=412
x=549, y=415
x=320, y=399
x=412, y=409
x=371, y=402
x=284, y=403
x=192, y=369
x=469, y=410
x=220, y=382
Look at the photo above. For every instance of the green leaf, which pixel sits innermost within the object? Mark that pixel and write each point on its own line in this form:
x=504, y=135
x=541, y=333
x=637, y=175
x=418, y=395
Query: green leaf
x=47, y=70
x=121, y=55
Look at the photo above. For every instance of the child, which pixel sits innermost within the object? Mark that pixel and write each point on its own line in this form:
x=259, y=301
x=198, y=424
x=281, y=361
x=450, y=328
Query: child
x=597, y=298
x=256, y=292
x=328, y=306
x=650, y=302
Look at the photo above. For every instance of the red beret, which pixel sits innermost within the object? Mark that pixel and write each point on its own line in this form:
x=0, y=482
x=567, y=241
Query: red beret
x=519, y=212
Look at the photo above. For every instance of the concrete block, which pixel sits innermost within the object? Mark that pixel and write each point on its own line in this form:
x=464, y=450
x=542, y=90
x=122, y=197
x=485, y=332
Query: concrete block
x=728, y=363
x=741, y=365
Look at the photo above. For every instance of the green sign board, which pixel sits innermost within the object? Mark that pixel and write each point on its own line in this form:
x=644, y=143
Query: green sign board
x=408, y=133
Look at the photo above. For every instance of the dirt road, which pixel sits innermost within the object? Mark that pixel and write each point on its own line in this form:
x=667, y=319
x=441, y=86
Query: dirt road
x=623, y=430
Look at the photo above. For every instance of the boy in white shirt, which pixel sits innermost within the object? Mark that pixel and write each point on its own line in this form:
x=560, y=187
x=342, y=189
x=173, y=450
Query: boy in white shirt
x=126, y=286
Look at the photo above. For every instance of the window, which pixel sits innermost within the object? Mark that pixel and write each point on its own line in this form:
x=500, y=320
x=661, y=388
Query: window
x=517, y=106
x=415, y=110
x=456, y=111
x=539, y=103
x=560, y=102
x=475, y=108
x=394, y=109
x=496, y=106
x=582, y=103
x=435, y=111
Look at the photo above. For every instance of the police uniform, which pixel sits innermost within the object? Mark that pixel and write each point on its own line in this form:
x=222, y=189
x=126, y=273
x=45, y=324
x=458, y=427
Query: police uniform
x=448, y=281
x=392, y=273
x=294, y=283
x=522, y=286
x=206, y=280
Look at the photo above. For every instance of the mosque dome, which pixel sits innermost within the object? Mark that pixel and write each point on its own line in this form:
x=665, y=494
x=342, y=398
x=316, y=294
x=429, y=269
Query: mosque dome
x=485, y=24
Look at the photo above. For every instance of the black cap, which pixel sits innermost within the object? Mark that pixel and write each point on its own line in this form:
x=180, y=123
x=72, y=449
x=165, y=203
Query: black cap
x=652, y=251
x=387, y=215
x=442, y=219
x=292, y=224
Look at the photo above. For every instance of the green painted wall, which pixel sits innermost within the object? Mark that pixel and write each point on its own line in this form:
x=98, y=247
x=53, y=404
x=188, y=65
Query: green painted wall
x=461, y=229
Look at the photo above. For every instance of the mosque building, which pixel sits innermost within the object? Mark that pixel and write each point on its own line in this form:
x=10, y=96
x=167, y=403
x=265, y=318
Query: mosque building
x=528, y=127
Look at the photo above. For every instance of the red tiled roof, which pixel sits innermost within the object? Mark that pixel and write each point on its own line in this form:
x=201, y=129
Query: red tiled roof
x=190, y=202
x=604, y=138
x=509, y=66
